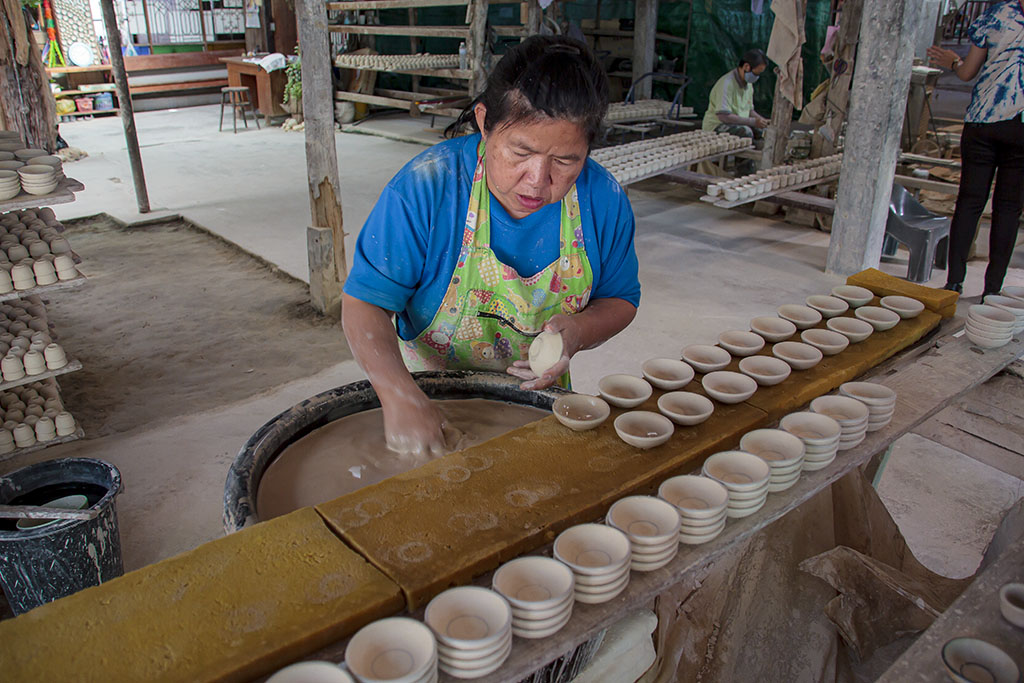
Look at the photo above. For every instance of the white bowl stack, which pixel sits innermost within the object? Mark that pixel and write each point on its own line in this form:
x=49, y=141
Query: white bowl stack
x=652, y=527
x=851, y=414
x=540, y=591
x=10, y=184
x=820, y=434
x=393, y=649
x=744, y=476
x=599, y=558
x=701, y=503
x=1010, y=305
x=783, y=452
x=38, y=179
x=987, y=326
x=473, y=627
x=880, y=400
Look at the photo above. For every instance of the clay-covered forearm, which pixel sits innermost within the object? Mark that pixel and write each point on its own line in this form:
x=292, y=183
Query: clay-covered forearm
x=371, y=337
x=601, y=320
x=736, y=119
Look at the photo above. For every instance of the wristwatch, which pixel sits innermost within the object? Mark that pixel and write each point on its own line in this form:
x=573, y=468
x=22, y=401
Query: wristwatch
x=956, y=63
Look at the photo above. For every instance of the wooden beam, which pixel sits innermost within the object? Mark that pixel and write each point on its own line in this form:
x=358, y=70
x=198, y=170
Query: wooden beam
x=125, y=103
x=326, y=236
x=390, y=4
x=925, y=184
x=424, y=31
x=776, y=137
x=877, y=106
x=534, y=17
x=476, y=46
x=645, y=26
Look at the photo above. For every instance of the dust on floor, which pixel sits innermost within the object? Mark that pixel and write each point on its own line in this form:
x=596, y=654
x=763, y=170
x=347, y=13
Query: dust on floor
x=175, y=321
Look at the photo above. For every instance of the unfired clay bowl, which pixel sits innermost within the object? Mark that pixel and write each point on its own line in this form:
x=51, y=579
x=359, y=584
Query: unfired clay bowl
x=843, y=409
x=737, y=471
x=593, y=550
x=468, y=617
x=854, y=329
x=828, y=342
x=991, y=316
x=533, y=583
x=765, y=370
x=646, y=521
x=706, y=358
x=905, y=306
x=311, y=672
x=729, y=387
x=545, y=352
x=580, y=412
x=643, y=429
x=624, y=391
x=741, y=343
x=813, y=429
x=869, y=393
x=972, y=659
x=853, y=295
x=773, y=329
x=366, y=654
x=685, y=407
x=1011, y=603
x=803, y=317
x=667, y=374
x=881, y=319
x=777, y=447
x=828, y=306
x=800, y=356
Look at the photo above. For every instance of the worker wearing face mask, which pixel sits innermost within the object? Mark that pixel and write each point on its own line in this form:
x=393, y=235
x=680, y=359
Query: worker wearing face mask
x=731, y=105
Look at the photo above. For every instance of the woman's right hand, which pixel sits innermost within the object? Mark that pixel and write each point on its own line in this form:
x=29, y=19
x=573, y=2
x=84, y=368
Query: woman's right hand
x=414, y=427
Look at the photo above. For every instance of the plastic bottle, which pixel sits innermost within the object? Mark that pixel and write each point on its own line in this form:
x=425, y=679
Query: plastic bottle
x=462, y=56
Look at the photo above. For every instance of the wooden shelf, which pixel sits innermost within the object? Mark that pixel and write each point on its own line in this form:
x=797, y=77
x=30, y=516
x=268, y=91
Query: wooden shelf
x=58, y=93
x=462, y=74
x=78, y=69
x=393, y=102
x=42, y=290
x=692, y=162
x=100, y=112
x=420, y=31
x=40, y=445
x=357, y=5
x=723, y=204
x=64, y=194
x=72, y=366
x=618, y=33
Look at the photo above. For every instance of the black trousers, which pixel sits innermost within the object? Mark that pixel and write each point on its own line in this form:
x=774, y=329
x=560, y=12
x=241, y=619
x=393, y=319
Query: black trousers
x=988, y=150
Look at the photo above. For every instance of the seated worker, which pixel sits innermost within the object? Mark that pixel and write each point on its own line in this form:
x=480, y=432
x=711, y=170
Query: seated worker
x=731, y=104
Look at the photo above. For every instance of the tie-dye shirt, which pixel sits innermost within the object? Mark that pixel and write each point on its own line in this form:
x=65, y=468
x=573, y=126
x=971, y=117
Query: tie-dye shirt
x=999, y=92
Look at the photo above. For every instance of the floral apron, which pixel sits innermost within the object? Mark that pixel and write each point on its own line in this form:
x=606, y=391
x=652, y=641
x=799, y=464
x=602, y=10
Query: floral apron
x=489, y=315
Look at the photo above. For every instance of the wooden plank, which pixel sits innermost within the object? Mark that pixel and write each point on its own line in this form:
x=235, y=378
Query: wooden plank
x=722, y=203
x=943, y=429
x=62, y=195
x=398, y=103
x=72, y=366
x=327, y=275
x=906, y=158
x=43, y=290
x=77, y=69
x=391, y=4
x=925, y=184
x=39, y=512
x=923, y=388
x=511, y=31
x=40, y=445
x=617, y=33
x=178, y=87
x=687, y=164
x=423, y=31
x=177, y=60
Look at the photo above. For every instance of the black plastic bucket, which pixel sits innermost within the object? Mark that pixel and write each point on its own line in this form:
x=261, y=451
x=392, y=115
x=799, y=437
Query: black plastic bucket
x=39, y=565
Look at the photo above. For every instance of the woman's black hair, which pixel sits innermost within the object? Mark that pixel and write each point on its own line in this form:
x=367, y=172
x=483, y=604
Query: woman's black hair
x=754, y=58
x=543, y=76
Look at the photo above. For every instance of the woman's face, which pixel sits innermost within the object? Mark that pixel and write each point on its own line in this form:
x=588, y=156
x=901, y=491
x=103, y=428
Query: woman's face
x=532, y=164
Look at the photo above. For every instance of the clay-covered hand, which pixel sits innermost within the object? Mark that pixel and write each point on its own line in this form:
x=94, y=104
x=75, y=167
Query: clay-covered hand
x=761, y=122
x=942, y=57
x=571, y=342
x=414, y=428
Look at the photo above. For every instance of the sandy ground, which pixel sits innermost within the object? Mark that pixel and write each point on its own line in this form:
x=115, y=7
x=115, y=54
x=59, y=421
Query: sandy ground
x=175, y=321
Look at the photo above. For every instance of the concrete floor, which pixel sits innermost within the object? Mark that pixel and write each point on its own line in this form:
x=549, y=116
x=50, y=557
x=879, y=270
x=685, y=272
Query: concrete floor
x=704, y=270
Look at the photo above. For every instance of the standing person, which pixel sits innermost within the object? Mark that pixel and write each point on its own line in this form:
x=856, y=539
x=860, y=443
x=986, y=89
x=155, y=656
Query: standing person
x=731, y=103
x=481, y=242
x=992, y=143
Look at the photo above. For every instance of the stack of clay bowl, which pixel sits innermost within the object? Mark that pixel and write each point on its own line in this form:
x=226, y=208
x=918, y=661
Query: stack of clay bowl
x=393, y=649
x=473, y=627
x=744, y=476
x=10, y=184
x=880, y=400
x=820, y=434
x=990, y=327
x=701, y=503
x=1013, y=292
x=599, y=557
x=783, y=452
x=38, y=179
x=652, y=527
x=540, y=592
x=1010, y=305
x=851, y=414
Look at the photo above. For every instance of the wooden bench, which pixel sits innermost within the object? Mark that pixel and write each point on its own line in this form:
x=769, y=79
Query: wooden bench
x=180, y=72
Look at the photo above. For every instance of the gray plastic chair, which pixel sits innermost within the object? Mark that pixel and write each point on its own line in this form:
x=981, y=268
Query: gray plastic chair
x=924, y=233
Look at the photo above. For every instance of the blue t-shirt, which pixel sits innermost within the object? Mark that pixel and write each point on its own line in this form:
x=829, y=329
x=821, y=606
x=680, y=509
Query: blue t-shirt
x=999, y=93
x=406, y=252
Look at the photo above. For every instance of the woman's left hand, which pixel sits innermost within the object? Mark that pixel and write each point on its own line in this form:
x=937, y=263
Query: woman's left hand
x=942, y=57
x=571, y=340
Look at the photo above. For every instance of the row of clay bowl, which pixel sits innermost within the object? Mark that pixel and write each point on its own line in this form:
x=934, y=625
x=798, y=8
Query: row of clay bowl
x=647, y=429
x=38, y=430
x=624, y=111
x=467, y=631
x=20, y=362
x=721, y=141
x=776, y=178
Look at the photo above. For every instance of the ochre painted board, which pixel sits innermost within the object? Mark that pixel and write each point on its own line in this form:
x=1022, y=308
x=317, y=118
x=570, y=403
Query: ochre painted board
x=230, y=610
x=942, y=301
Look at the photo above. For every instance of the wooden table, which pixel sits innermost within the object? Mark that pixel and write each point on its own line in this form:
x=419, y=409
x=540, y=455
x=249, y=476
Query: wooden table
x=268, y=87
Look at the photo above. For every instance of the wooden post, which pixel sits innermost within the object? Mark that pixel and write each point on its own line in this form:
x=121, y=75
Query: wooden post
x=125, y=104
x=326, y=237
x=26, y=104
x=534, y=16
x=877, y=106
x=776, y=136
x=476, y=46
x=645, y=25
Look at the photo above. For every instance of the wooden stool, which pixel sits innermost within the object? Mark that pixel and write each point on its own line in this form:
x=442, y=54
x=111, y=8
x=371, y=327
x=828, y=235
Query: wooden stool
x=237, y=97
